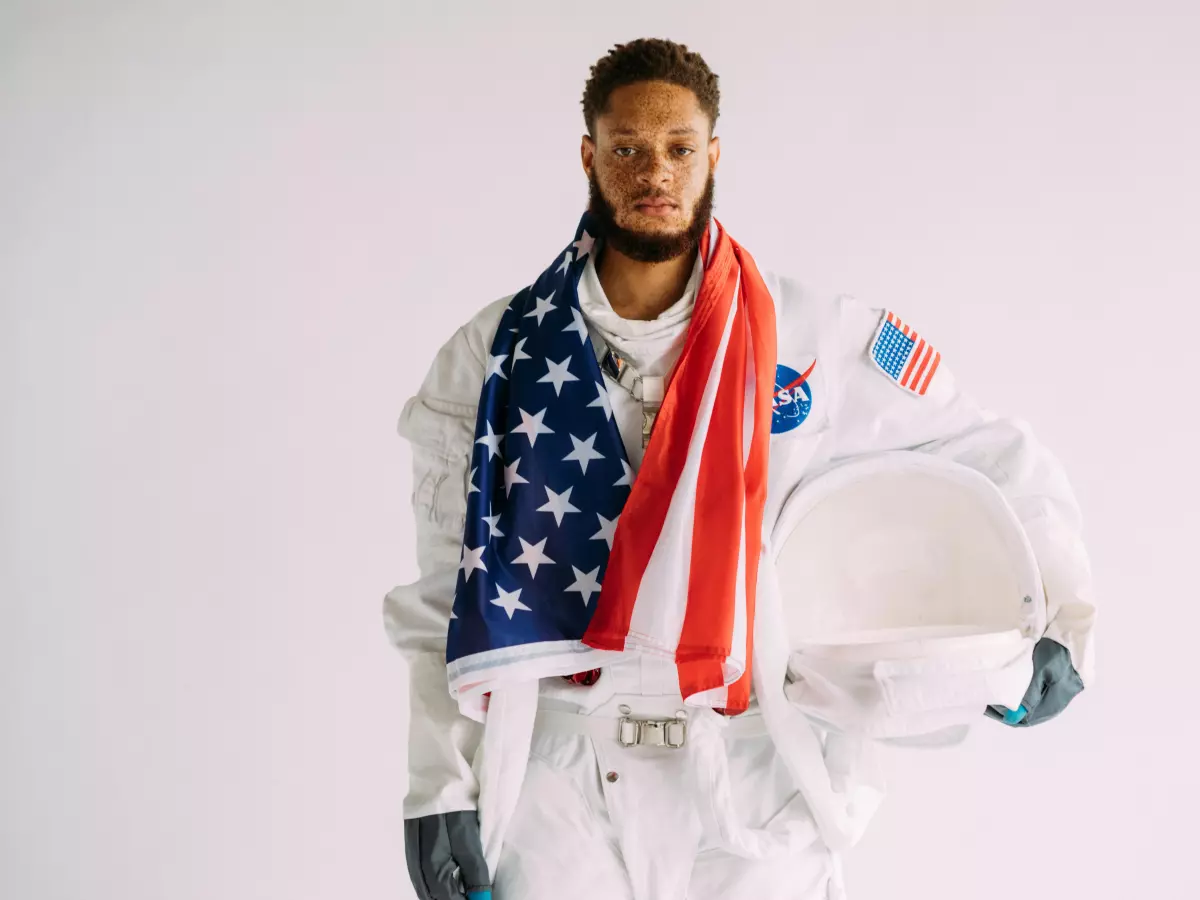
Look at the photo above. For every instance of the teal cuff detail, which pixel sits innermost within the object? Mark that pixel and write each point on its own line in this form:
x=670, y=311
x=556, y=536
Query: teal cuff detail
x=1013, y=716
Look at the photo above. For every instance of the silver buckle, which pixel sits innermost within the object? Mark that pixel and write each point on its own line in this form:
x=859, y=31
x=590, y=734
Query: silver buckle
x=649, y=414
x=628, y=732
x=670, y=733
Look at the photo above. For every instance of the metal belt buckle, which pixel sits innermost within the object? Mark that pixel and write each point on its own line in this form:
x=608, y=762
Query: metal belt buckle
x=628, y=732
x=652, y=732
x=664, y=733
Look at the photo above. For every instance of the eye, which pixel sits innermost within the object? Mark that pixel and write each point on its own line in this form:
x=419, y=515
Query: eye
x=619, y=149
x=686, y=150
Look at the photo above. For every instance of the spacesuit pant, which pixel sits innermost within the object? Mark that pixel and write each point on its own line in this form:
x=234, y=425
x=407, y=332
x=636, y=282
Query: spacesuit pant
x=595, y=819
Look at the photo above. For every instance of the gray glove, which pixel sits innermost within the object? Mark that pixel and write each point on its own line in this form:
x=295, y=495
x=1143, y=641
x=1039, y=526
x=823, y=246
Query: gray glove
x=445, y=857
x=1054, y=683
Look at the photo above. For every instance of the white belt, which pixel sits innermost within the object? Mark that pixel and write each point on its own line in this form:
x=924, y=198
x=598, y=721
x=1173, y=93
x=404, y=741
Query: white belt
x=631, y=731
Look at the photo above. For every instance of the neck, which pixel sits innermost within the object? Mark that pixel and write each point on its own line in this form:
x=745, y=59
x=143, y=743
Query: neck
x=641, y=290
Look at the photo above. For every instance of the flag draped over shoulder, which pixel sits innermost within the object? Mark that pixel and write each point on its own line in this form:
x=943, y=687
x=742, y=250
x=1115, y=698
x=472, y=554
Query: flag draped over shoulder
x=568, y=560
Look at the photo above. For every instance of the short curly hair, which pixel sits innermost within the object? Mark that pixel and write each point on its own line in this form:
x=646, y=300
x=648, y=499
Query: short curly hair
x=650, y=59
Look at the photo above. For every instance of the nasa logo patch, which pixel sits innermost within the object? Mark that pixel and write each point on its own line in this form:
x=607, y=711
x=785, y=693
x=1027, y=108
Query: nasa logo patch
x=792, y=401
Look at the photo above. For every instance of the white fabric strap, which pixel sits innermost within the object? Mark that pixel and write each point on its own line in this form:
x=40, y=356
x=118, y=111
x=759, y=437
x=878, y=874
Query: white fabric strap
x=501, y=761
x=606, y=727
x=905, y=697
x=920, y=685
x=844, y=800
x=709, y=771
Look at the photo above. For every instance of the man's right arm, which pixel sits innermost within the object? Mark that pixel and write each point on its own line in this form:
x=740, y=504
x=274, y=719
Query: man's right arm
x=439, y=423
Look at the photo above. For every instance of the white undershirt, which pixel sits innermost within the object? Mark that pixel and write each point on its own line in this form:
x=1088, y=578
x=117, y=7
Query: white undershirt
x=651, y=346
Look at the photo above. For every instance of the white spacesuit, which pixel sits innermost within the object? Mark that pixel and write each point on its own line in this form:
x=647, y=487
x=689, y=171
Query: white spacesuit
x=596, y=818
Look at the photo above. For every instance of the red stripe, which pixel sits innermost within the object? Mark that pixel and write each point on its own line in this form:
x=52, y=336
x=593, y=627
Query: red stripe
x=921, y=369
x=912, y=362
x=928, y=378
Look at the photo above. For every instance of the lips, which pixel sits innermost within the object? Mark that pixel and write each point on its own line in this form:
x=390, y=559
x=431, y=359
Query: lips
x=657, y=204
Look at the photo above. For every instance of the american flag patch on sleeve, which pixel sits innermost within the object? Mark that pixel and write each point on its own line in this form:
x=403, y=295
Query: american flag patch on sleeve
x=903, y=355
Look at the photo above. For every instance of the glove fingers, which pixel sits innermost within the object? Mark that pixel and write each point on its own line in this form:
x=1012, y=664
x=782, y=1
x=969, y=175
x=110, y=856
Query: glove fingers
x=431, y=866
x=414, y=856
x=1055, y=697
x=467, y=850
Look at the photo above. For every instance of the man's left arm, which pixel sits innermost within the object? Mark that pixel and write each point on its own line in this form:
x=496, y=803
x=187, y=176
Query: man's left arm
x=895, y=392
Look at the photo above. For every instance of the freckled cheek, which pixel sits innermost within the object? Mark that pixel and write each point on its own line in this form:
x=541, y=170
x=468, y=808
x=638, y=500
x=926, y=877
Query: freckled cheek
x=620, y=187
x=622, y=180
x=691, y=186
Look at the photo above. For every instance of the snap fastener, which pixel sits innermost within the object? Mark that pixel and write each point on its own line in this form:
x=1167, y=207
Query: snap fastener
x=612, y=777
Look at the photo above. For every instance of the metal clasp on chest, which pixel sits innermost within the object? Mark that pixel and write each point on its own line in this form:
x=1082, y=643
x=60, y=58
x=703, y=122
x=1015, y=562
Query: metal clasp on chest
x=647, y=390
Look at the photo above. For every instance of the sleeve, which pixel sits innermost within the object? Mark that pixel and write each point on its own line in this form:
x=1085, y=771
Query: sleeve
x=878, y=411
x=439, y=423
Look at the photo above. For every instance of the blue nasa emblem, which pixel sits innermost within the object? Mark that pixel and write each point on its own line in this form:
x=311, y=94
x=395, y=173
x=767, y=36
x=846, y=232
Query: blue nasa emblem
x=792, y=401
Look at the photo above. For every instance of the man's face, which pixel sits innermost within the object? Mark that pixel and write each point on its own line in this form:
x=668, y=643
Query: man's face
x=650, y=171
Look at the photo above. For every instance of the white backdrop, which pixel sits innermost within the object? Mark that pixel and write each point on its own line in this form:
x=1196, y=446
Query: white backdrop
x=232, y=235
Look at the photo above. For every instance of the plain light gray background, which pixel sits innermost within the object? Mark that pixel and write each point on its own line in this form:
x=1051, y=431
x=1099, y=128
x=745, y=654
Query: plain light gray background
x=232, y=236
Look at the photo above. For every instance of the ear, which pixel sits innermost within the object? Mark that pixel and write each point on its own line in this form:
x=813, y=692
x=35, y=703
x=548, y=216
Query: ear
x=587, y=154
x=714, y=153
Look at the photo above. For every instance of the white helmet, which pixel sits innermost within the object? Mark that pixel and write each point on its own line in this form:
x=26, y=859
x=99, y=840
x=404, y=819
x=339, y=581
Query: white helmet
x=910, y=597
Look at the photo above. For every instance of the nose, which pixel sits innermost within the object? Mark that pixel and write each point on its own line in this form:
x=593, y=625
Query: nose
x=656, y=168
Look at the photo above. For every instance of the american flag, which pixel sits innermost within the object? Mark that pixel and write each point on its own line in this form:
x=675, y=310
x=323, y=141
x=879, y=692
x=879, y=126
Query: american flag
x=550, y=479
x=549, y=476
x=905, y=356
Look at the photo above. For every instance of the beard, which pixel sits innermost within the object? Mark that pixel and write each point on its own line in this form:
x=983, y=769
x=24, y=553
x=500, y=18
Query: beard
x=646, y=246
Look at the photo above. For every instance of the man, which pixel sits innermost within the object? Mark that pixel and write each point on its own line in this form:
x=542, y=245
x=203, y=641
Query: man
x=531, y=440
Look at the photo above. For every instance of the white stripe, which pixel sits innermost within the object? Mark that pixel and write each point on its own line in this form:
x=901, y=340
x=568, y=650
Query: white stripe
x=661, y=603
x=751, y=388
x=470, y=677
x=740, y=613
